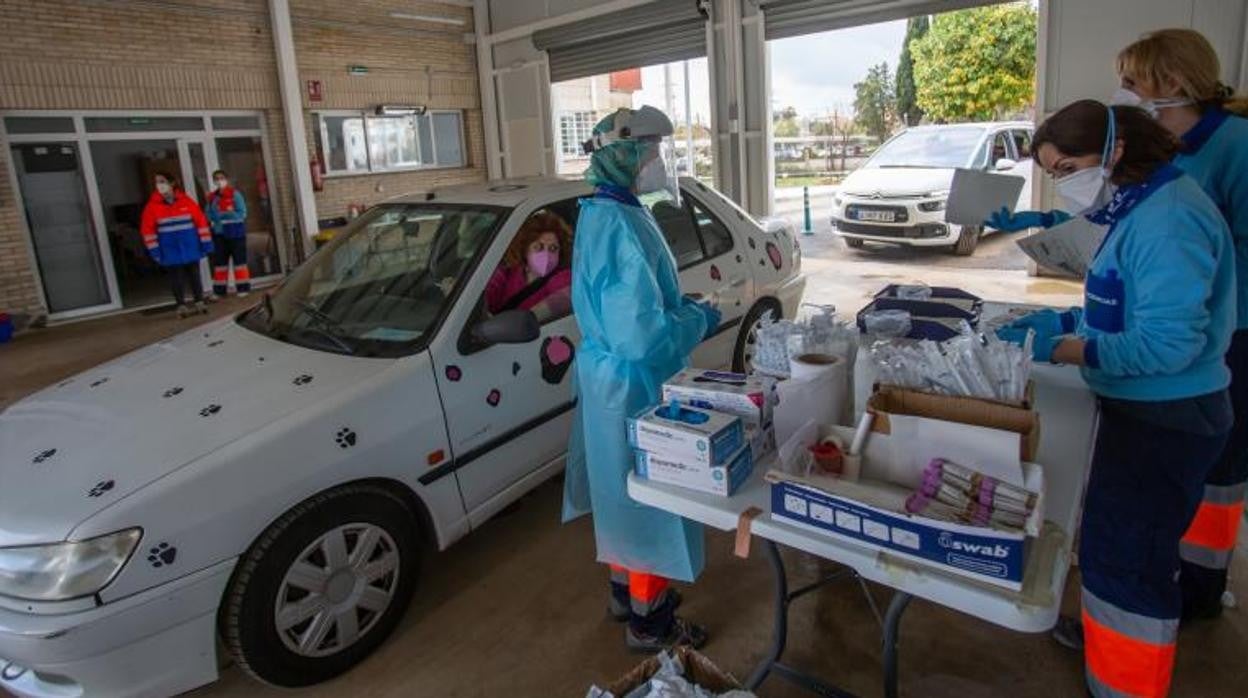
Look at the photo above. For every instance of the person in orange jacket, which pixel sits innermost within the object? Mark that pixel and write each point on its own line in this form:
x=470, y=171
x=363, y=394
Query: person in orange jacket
x=176, y=235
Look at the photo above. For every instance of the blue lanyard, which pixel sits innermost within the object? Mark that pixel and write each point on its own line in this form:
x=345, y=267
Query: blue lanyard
x=1130, y=196
x=1198, y=135
x=620, y=194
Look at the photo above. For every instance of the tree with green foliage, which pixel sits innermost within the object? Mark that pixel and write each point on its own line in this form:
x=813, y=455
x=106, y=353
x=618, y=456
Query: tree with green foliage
x=977, y=64
x=875, y=102
x=784, y=123
x=908, y=109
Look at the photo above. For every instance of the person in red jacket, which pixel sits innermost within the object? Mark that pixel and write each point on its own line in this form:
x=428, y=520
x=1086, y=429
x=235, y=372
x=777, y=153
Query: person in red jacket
x=176, y=235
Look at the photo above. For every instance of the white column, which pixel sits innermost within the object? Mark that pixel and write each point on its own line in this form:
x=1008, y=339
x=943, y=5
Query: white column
x=741, y=108
x=486, y=88
x=292, y=110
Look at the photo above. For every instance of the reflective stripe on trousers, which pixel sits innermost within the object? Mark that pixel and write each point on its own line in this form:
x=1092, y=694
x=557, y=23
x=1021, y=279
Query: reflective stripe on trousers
x=1126, y=654
x=645, y=591
x=1211, y=537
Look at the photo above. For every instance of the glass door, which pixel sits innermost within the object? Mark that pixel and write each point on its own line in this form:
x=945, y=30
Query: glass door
x=66, y=241
x=242, y=160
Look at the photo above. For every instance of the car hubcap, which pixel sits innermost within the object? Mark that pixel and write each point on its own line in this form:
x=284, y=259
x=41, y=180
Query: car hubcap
x=751, y=339
x=336, y=590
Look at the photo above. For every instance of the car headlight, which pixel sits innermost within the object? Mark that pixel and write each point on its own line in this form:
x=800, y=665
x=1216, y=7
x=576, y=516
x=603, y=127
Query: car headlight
x=939, y=205
x=62, y=571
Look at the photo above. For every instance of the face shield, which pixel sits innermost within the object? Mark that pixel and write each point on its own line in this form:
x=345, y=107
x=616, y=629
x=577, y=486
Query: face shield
x=658, y=169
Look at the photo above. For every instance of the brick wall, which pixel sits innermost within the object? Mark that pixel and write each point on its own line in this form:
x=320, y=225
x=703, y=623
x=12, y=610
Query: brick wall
x=218, y=54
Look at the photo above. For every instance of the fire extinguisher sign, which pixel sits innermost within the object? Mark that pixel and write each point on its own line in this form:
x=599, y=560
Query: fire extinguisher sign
x=315, y=93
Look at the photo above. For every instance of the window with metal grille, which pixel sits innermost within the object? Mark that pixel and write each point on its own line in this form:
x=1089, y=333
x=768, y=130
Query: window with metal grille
x=575, y=127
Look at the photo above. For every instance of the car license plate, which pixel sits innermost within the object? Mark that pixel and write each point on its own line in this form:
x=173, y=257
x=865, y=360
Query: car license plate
x=879, y=216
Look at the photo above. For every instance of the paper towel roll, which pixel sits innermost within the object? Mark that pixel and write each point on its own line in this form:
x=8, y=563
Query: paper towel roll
x=817, y=390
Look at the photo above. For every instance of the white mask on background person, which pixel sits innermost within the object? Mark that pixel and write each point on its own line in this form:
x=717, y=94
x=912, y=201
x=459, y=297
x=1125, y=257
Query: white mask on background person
x=1126, y=98
x=164, y=188
x=653, y=176
x=1084, y=190
x=222, y=184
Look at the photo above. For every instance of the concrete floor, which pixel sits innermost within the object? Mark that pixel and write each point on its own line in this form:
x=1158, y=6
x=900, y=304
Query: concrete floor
x=517, y=608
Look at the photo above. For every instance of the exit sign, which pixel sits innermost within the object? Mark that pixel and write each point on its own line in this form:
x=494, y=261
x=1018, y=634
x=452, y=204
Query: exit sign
x=357, y=70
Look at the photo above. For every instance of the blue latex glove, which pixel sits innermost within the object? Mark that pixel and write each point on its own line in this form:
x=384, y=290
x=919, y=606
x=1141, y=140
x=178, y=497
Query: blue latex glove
x=1008, y=222
x=713, y=318
x=154, y=253
x=1046, y=323
x=1041, y=347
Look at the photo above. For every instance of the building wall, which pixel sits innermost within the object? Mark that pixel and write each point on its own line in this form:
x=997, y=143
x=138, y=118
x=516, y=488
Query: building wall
x=218, y=54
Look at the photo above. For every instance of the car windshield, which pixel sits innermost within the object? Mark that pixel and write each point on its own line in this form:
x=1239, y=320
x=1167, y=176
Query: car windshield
x=383, y=283
x=944, y=146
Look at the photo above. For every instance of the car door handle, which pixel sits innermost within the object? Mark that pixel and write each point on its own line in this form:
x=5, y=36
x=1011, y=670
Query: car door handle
x=738, y=283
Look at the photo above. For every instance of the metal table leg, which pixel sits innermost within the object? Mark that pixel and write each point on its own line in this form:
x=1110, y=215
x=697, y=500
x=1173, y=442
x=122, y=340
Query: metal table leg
x=892, y=623
x=780, y=623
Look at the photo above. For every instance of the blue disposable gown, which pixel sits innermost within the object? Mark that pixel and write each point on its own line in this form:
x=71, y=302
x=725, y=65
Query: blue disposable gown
x=636, y=332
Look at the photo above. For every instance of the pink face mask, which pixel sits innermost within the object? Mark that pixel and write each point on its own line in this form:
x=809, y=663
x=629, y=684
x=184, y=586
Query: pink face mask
x=542, y=262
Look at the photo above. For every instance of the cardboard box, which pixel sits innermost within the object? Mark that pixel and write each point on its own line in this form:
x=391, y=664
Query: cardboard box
x=699, y=670
x=749, y=397
x=1020, y=419
x=871, y=511
x=722, y=480
x=708, y=437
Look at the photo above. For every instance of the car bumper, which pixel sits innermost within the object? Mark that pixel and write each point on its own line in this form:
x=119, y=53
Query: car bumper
x=919, y=233
x=790, y=295
x=160, y=642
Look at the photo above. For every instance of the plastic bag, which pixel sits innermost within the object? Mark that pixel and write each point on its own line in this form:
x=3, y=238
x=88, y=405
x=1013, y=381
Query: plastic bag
x=914, y=292
x=669, y=682
x=887, y=324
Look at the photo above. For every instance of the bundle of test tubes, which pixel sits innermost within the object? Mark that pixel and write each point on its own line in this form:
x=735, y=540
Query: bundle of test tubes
x=971, y=364
x=951, y=492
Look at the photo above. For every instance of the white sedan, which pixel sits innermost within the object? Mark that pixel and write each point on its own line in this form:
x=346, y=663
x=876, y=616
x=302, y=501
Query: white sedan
x=264, y=483
x=898, y=196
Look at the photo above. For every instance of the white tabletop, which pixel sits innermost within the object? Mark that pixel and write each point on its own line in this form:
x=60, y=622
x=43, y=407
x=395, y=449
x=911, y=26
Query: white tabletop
x=1068, y=422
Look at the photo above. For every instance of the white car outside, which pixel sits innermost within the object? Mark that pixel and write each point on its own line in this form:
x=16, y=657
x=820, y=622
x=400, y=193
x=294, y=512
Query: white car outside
x=898, y=196
x=264, y=483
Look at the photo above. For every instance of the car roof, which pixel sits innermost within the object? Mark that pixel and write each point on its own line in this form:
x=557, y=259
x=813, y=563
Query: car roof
x=499, y=192
x=980, y=124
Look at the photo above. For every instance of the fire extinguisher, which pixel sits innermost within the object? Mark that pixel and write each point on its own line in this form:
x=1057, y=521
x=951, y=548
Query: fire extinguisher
x=318, y=174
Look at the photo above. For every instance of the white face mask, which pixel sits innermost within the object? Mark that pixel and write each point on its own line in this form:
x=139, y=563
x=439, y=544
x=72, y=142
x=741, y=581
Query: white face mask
x=222, y=184
x=1083, y=190
x=653, y=176
x=164, y=188
x=1126, y=98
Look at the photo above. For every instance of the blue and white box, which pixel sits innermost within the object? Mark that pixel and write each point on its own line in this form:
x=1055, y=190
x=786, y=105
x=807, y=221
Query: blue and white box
x=722, y=480
x=695, y=436
x=871, y=512
x=749, y=397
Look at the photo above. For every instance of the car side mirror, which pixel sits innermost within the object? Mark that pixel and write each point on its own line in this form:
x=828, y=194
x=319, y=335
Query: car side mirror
x=1006, y=164
x=508, y=327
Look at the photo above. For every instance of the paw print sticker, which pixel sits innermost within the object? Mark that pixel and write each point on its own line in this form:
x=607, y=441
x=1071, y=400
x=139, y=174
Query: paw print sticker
x=98, y=382
x=43, y=456
x=162, y=555
x=494, y=397
x=556, y=355
x=773, y=253
x=216, y=343
x=303, y=379
x=345, y=438
x=515, y=368
x=453, y=374
x=715, y=275
x=172, y=392
x=101, y=488
x=753, y=245
x=210, y=410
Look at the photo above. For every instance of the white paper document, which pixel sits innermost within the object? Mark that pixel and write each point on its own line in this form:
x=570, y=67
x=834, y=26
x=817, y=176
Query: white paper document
x=1068, y=247
x=975, y=195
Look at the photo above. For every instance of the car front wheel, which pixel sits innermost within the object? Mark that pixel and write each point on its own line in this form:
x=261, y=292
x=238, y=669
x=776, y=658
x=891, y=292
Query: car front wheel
x=322, y=587
x=747, y=338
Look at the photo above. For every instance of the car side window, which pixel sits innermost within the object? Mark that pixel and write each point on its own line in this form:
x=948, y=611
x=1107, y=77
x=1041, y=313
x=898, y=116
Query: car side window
x=1022, y=144
x=1000, y=148
x=716, y=238
x=535, y=273
x=678, y=228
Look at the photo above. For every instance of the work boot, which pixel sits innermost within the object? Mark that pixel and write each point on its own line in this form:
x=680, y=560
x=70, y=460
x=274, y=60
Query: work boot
x=183, y=311
x=1069, y=633
x=243, y=294
x=620, y=611
x=682, y=632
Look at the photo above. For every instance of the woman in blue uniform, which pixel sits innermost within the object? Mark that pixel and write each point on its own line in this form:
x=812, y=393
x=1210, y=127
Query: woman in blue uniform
x=1157, y=320
x=1174, y=73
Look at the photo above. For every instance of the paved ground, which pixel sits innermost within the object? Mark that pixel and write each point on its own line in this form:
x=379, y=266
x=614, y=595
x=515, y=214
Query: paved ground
x=517, y=608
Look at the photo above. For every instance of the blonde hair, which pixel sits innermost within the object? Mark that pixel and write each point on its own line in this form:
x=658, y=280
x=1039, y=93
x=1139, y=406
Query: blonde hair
x=1184, y=57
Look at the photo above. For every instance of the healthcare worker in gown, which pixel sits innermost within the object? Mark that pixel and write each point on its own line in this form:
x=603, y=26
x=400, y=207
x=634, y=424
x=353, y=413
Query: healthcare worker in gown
x=1151, y=337
x=1175, y=75
x=637, y=330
